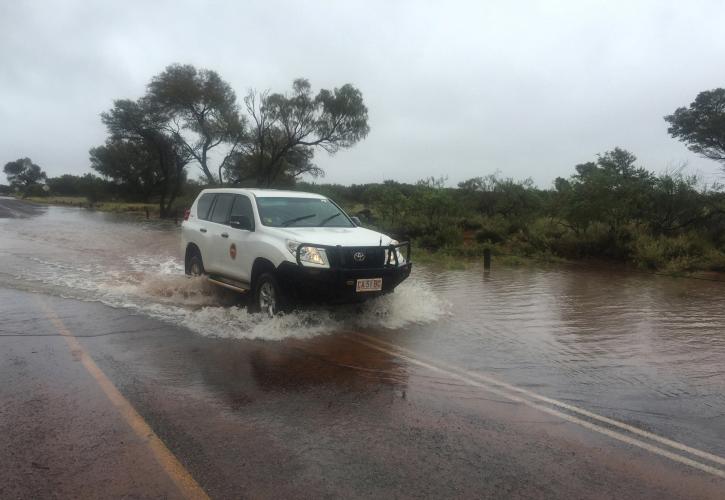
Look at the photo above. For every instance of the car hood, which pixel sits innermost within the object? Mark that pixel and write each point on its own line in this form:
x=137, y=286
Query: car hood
x=332, y=236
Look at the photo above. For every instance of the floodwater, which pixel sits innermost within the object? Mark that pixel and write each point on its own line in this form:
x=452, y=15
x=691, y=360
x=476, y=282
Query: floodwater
x=646, y=350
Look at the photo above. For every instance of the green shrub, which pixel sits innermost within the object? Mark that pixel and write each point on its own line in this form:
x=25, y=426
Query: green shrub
x=685, y=252
x=470, y=225
x=440, y=237
x=487, y=235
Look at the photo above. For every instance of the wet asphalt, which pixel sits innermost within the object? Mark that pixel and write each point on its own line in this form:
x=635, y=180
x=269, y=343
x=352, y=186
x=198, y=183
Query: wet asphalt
x=346, y=415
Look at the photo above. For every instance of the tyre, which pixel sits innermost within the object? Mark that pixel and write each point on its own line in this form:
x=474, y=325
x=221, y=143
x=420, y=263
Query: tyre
x=267, y=297
x=196, y=265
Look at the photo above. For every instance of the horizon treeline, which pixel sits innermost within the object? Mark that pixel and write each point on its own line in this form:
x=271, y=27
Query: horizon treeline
x=609, y=208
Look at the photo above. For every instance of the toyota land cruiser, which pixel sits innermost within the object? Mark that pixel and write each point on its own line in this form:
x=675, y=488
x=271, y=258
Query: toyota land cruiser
x=286, y=246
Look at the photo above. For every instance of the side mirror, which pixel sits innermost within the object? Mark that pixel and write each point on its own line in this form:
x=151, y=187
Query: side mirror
x=241, y=222
x=356, y=221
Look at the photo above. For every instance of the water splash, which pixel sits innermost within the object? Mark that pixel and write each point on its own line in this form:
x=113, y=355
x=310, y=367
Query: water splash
x=157, y=287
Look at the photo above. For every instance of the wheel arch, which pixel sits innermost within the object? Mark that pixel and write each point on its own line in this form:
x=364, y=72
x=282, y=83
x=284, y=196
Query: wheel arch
x=261, y=265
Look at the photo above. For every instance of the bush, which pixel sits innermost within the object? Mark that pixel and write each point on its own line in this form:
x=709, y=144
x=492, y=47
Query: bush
x=488, y=236
x=684, y=252
x=543, y=233
x=35, y=190
x=441, y=237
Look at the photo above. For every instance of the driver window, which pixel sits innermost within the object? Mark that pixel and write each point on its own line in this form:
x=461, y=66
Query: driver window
x=243, y=207
x=220, y=212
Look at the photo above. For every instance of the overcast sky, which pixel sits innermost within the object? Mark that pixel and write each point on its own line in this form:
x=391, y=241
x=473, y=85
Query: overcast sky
x=459, y=89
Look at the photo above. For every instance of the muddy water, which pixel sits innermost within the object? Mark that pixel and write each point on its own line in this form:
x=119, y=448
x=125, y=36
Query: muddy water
x=644, y=349
x=136, y=264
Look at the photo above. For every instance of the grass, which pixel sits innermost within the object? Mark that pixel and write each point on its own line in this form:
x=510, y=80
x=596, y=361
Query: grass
x=441, y=260
x=461, y=258
x=59, y=200
x=103, y=206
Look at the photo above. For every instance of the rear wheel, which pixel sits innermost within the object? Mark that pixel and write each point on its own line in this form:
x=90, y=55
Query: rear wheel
x=267, y=297
x=196, y=266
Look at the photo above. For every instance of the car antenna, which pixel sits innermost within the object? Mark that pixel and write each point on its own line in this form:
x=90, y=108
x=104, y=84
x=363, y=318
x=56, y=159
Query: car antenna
x=381, y=241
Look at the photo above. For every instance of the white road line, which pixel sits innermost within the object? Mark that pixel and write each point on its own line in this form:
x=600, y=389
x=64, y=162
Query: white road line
x=615, y=423
x=565, y=416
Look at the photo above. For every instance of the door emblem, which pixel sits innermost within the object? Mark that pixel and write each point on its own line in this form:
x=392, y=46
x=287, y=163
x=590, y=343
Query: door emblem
x=233, y=251
x=359, y=256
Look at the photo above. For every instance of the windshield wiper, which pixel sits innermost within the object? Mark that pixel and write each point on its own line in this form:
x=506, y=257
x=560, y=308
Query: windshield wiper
x=328, y=219
x=297, y=219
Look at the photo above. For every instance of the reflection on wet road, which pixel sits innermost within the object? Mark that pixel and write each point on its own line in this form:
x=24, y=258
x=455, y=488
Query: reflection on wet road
x=433, y=391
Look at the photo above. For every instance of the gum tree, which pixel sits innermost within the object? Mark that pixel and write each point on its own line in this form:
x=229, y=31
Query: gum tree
x=200, y=111
x=701, y=126
x=140, y=149
x=286, y=129
x=23, y=174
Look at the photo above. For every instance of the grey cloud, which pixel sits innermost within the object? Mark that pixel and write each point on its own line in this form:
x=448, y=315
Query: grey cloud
x=456, y=88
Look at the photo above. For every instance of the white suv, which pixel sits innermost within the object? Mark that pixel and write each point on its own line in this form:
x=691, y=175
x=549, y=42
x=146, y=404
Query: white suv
x=288, y=246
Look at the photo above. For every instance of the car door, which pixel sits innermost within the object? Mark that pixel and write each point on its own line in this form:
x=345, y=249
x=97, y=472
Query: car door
x=200, y=226
x=235, y=258
x=218, y=232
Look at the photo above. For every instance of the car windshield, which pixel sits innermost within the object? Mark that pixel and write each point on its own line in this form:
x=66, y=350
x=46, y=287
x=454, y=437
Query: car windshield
x=301, y=212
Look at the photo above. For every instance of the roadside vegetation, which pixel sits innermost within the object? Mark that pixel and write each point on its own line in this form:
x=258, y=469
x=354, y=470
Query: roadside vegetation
x=610, y=208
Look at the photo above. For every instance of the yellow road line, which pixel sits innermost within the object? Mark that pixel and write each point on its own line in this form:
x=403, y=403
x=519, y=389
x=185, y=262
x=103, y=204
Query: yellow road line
x=186, y=484
x=508, y=394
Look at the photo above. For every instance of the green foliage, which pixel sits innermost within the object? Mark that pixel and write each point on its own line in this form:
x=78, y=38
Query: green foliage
x=183, y=116
x=141, y=153
x=608, y=209
x=65, y=185
x=495, y=229
x=684, y=252
x=489, y=236
x=89, y=186
x=187, y=112
x=677, y=202
x=131, y=164
x=287, y=128
x=504, y=196
x=24, y=175
x=94, y=188
x=199, y=110
x=701, y=126
x=610, y=191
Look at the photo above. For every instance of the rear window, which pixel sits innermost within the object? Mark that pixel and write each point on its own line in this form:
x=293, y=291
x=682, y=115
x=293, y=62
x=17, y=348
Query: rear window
x=203, y=205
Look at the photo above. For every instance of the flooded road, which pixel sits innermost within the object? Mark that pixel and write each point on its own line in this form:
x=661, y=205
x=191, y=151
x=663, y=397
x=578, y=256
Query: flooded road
x=522, y=382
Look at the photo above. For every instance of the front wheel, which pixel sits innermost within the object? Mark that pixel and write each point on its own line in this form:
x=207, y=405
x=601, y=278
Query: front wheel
x=196, y=266
x=267, y=297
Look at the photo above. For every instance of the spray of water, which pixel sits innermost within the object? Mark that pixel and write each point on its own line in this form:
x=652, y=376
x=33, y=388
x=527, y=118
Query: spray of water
x=157, y=287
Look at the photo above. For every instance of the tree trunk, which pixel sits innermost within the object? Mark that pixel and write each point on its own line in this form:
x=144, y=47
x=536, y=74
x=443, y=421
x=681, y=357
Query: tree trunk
x=175, y=187
x=162, y=206
x=205, y=167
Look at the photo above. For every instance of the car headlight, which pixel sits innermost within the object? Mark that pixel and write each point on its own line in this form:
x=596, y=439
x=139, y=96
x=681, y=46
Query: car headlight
x=310, y=255
x=401, y=259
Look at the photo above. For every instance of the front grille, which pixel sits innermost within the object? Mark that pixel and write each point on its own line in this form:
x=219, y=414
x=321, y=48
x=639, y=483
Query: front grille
x=363, y=257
